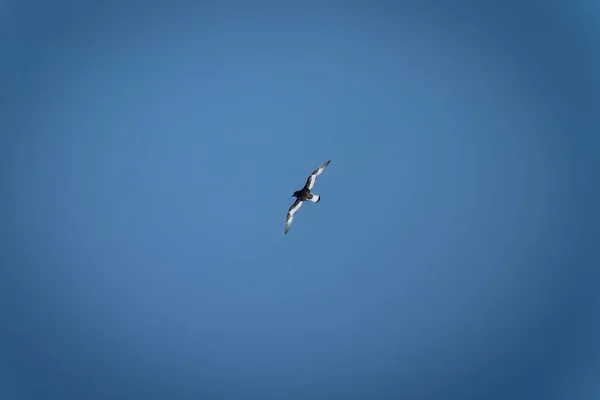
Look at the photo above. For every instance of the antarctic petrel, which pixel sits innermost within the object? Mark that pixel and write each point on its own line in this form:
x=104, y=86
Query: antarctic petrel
x=303, y=195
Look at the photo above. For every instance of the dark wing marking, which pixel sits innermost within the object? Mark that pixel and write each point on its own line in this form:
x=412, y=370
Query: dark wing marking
x=290, y=215
x=310, y=183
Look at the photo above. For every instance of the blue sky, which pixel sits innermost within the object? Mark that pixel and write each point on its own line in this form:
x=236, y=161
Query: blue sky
x=149, y=154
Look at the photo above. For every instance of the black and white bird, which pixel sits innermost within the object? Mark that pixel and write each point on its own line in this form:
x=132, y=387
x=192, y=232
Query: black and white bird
x=305, y=194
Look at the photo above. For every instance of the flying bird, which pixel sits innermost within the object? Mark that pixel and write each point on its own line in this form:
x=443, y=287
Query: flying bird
x=304, y=194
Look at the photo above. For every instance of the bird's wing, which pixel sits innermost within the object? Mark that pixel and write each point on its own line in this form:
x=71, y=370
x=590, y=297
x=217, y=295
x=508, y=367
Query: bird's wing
x=290, y=215
x=310, y=183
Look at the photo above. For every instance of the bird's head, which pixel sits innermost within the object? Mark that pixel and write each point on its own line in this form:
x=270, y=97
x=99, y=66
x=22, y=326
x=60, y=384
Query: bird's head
x=295, y=194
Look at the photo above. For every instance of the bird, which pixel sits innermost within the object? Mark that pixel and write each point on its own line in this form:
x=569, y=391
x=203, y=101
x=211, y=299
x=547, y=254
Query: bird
x=304, y=194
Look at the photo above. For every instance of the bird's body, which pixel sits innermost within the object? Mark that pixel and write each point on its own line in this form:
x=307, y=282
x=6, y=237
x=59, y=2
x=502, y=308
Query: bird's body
x=304, y=194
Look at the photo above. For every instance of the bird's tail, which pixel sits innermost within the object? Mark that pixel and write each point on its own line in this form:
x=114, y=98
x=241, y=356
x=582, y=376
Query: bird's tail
x=315, y=198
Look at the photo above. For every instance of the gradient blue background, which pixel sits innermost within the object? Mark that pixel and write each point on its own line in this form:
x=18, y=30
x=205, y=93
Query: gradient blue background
x=148, y=155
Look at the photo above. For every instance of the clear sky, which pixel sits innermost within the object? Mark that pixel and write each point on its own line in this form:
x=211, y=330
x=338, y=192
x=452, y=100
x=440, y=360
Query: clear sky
x=148, y=156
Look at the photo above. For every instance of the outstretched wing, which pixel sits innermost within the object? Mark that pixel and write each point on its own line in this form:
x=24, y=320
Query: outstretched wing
x=313, y=177
x=290, y=215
